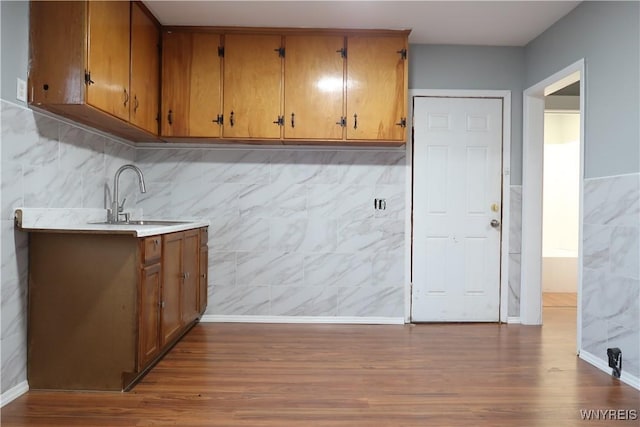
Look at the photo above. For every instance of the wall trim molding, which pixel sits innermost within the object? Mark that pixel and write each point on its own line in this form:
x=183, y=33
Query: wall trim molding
x=626, y=377
x=217, y=318
x=13, y=393
x=514, y=320
x=612, y=176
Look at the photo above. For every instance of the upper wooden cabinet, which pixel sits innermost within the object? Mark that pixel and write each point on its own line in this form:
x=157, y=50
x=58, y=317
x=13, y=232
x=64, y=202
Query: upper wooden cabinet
x=288, y=86
x=144, y=104
x=108, y=53
x=252, y=86
x=81, y=67
x=191, y=84
x=314, y=87
x=376, y=88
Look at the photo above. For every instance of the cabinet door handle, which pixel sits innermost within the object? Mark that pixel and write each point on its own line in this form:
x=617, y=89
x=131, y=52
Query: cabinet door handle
x=355, y=121
x=203, y=275
x=293, y=120
x=136, y=104
x=232, y=120
x=126, y=97
x=170, y=117
x=156, y=242
x=161, y=304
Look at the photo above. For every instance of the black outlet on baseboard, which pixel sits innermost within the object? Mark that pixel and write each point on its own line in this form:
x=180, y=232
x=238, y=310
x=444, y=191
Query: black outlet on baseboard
x=615, y=361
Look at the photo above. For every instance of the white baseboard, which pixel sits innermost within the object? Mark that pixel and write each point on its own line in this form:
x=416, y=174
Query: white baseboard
x=514, y=320
x=13, y=393
x=604, y=366
x=211, y=318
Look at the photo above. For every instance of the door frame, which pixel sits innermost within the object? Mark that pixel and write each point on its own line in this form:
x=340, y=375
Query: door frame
x=505, y=96
x=532, y=174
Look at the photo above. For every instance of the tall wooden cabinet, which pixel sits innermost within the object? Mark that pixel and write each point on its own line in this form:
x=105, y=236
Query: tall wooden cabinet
x=108, y=56
x=314, y=87
x=191, y=84
x=144, y=105
x=376, y=88
x=252, y=86
x=81, y=66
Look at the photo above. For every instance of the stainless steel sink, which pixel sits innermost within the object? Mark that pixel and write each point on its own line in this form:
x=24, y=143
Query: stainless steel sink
x=149, y=222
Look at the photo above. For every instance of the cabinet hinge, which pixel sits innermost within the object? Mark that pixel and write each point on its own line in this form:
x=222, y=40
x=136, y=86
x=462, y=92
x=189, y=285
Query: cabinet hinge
x=403, y=53
x=402, y=123
x=342, y=52
x=87, y=78
x=221, y=51
x=342, y=122
x=279, y=121
x=280, y=51
x=219, y=119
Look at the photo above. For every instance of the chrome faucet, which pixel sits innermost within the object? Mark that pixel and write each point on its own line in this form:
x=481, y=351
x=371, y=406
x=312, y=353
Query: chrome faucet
x=113, y=214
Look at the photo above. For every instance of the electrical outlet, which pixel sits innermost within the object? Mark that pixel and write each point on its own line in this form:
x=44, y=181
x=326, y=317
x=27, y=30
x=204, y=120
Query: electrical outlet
x=379, y=204
x=21, y=92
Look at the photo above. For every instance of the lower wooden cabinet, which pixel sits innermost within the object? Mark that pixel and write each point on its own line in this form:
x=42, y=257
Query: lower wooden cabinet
x=104, y=308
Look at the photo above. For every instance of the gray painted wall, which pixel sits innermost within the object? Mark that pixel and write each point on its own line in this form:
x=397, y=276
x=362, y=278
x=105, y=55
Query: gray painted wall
x=607, y=36
x=478, y=68
x=14, y=47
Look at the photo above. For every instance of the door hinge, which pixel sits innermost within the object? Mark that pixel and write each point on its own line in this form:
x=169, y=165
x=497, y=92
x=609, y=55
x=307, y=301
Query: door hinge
x=221, y=51
x=280, y=51
x=87, y=78
x=342, y=122
x=279, y=121
x=342, y=52
x=402, y=123
x=403, y=53
x=219, y=119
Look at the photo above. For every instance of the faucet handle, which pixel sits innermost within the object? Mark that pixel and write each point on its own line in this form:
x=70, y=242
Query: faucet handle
x=121, y=207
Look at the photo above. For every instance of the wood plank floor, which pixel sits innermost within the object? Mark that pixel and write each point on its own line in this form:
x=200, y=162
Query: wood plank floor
x=346, y=375
x=559, y=299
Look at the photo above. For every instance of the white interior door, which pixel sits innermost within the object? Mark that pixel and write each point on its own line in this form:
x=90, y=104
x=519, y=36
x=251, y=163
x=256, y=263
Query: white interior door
x=456, y=209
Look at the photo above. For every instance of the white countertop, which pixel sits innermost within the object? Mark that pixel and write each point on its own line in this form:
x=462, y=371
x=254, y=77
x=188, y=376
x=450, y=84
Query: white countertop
x=61, y=220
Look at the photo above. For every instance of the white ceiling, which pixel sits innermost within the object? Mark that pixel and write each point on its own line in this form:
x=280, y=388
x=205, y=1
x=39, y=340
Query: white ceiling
x=491, y=23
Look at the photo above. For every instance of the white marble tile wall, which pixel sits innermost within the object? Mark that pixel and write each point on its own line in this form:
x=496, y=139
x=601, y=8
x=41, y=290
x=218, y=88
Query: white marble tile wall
x=45, y=163
x=611, y=268
x=293, y=232
x=515, y=247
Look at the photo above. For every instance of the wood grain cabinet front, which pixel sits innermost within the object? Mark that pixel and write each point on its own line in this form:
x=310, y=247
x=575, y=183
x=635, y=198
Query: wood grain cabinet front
x=191, y=84
x=103, y=309
x=96, y=62
x=376, y=88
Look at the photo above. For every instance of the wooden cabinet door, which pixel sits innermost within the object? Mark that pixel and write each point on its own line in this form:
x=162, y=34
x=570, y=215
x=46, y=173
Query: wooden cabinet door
x=313, y=87
x=376, y=85
x=108, y=57
x=191, y=84
x=252, y=86
x=170, y=318
x=190, y=268
x=149, y=315
x=203, y=283
x=145, y=70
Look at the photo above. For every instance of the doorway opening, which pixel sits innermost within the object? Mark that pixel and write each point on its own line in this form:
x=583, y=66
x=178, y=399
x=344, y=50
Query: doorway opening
x=532, y=193
x=560, y=199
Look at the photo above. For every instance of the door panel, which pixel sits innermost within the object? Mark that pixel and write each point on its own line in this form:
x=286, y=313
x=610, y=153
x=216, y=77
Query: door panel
x=314, y=87
x=145, y=70
x=205, y=98
x=171, y=286
x=108, y=59
x=149, y=315
x=375, y=88
x=176, y=74
x=191, y=257
x=252, y=86
x=457, y=180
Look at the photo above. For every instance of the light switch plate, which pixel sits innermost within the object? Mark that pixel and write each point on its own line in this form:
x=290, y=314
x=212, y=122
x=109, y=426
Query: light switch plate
x=21, y=93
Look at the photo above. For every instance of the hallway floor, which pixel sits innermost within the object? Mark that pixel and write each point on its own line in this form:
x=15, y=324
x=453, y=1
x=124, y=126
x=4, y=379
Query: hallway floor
x=230, y=374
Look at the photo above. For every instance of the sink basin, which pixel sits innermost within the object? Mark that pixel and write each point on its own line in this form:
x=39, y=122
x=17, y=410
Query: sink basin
x=149, y=222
